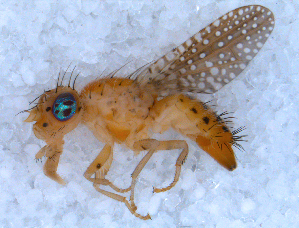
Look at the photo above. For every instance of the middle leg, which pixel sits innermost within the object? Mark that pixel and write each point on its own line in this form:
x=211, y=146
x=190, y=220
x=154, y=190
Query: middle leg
x=100, y=167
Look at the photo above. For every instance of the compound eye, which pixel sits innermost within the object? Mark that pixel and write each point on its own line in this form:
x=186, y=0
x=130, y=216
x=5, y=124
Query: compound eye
x=64, y=107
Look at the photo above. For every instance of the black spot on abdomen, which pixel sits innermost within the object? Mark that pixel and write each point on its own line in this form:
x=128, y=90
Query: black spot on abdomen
x=219, y=119
x=206, y=119
x=204, y=105
x=225, y=129
x=193, y=110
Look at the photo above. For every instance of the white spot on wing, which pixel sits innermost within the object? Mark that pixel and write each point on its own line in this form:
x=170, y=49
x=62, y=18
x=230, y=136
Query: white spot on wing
x=232, y=75
x=214, y=71
x=201, y=85
x=181, y=49
x=209, y=64
x=202, y=55
x=242, y=66
x=216, y=23
x=259, y=44
x=208, y=29
x=161, y=63
x=239, y=45
x=170, y=56
x=189, y=43
x=246, y=50
x=198, y=37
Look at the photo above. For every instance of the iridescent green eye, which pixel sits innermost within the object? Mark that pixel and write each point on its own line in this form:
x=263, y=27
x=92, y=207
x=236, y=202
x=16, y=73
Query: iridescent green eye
x=64, y=107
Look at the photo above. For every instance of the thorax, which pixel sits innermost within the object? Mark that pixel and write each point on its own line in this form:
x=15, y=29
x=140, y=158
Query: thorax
x=117, y=105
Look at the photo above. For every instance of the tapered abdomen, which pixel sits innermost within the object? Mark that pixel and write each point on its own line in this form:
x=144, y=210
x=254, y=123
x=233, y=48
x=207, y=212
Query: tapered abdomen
x=197, y=121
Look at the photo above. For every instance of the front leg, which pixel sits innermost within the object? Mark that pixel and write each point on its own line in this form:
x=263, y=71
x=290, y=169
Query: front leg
x=52, y=152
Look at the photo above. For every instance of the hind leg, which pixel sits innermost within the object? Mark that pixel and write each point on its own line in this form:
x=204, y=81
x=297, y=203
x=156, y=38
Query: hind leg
x=120, y=199
x=153, y=146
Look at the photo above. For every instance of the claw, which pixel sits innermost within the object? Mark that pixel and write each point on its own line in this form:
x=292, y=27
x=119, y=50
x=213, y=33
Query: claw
x=41, y=153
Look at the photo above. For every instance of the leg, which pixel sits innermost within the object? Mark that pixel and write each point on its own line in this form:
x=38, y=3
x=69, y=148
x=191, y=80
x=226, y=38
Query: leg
x=52, y=152
x=121, y=199
x=146, y=144
x=100, y=167
x=153, y=145
x=171, y=145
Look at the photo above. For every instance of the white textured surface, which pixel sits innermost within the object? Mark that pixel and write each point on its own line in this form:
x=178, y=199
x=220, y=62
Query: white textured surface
x=39, y=37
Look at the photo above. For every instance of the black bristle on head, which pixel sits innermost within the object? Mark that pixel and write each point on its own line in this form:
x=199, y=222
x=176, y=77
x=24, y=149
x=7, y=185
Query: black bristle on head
x=38, y=103
x=58, y=80
x=27, y=110
x=75, y=81
x=71, y=76
x=35, y=99
x=64, y=74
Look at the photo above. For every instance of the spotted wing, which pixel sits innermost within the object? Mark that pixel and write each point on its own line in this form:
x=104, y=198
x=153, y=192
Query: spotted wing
x=214, y=56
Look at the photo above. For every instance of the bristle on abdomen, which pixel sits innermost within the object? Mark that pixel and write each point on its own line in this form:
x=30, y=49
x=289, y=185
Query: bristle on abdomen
x=197, y=121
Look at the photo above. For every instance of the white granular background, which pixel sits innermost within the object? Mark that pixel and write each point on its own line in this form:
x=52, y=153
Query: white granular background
x=40, y=38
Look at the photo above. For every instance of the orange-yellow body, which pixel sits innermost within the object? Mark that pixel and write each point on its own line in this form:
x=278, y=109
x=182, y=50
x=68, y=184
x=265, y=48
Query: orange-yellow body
x=127, y=111
x=118, y=110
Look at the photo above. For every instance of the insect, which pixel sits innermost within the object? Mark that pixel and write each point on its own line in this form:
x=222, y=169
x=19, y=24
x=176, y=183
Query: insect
x=153, y=99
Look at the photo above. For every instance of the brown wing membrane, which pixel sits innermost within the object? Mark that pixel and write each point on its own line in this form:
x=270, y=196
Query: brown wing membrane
x=212, y=57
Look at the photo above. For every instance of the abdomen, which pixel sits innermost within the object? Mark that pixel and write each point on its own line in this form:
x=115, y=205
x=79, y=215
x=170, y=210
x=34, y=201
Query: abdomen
x=195, y=120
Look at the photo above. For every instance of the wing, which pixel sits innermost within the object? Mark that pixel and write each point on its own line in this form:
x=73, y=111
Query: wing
x=212, y=57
